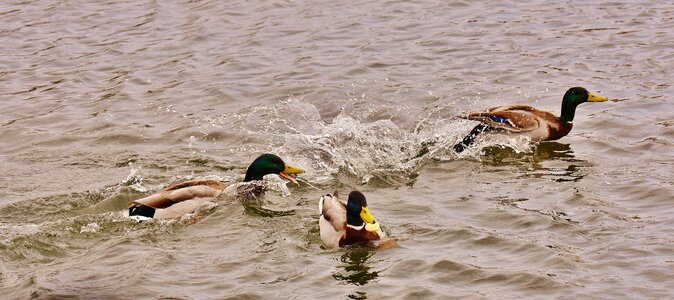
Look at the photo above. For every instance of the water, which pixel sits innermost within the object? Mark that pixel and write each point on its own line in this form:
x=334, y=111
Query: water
x=104, y=102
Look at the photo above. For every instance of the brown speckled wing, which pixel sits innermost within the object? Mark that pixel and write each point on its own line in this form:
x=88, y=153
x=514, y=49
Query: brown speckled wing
x=519, y=120
x=177, y=193
x=207, y=182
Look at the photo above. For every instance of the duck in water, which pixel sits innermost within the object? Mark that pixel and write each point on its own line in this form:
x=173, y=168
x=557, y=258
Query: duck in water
x=342, y=224
x=186, y=197
x=525, y=120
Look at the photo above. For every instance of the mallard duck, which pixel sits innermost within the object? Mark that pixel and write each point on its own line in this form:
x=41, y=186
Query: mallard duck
x=525, y=120
x=343, y=224
x=186, y=197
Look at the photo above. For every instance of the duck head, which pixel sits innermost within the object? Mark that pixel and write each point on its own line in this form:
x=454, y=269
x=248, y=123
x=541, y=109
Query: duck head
x=271, y=164
x=357, y=212
x=572, y=98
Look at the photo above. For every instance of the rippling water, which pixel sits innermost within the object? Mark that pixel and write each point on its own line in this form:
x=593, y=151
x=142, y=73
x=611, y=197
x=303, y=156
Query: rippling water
x=104, y=102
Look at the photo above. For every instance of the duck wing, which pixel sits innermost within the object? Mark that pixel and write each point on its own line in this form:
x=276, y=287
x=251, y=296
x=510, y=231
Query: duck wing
x=207, y=182
x=332, y=222
x=514, y=107
x=511, y=118
x=188, y=190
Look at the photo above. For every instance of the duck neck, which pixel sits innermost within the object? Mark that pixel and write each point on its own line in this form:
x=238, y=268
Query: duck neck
x=352, y=220
x=568, y=111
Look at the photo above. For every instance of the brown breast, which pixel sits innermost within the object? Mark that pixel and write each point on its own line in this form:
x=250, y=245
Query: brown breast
x=556, y=128
x=557, y=132
x=354, y=236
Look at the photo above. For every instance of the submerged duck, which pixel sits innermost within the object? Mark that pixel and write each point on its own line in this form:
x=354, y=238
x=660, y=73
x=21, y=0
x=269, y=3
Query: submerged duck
x=525, y=120
x=186, y=197
x=343, y=224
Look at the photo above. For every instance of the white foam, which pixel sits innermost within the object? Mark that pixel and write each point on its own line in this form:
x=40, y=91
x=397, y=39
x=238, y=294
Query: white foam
x=90, y=228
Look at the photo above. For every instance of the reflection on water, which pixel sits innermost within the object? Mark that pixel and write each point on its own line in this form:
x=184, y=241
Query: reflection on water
x=549, y=160
x=355, y=269
x=357, y=295
x=552, y=150
x=574, y=171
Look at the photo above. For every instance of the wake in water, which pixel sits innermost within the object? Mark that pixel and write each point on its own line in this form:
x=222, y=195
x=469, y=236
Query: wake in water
x=364, y=150
x=378, y=149
x=45, y=230
x=349, y=145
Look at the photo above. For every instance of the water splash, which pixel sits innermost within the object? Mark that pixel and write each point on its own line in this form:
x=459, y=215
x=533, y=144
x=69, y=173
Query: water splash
x=134, y=180
x=275, y=183
x=352, y=145
x=90, y=228
x=378, y=149
x=349, y=146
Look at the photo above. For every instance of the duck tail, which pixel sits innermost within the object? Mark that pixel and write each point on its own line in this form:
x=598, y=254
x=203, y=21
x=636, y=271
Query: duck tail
x=141, y=212
x=470, y=138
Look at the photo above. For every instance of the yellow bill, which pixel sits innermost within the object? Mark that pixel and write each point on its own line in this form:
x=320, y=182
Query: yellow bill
x=291, y=170
x=370, y=223
x=595, y=98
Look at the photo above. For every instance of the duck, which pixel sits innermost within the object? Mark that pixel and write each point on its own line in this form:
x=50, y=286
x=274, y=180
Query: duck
x=189, y=196
x=342, y=224
x=528, y=121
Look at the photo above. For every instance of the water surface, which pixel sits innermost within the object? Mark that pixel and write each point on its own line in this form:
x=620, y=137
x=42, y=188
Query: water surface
x=104, y=102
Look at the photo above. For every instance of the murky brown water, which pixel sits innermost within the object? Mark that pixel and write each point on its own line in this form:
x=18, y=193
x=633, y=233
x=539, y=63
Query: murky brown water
x=103, y=102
